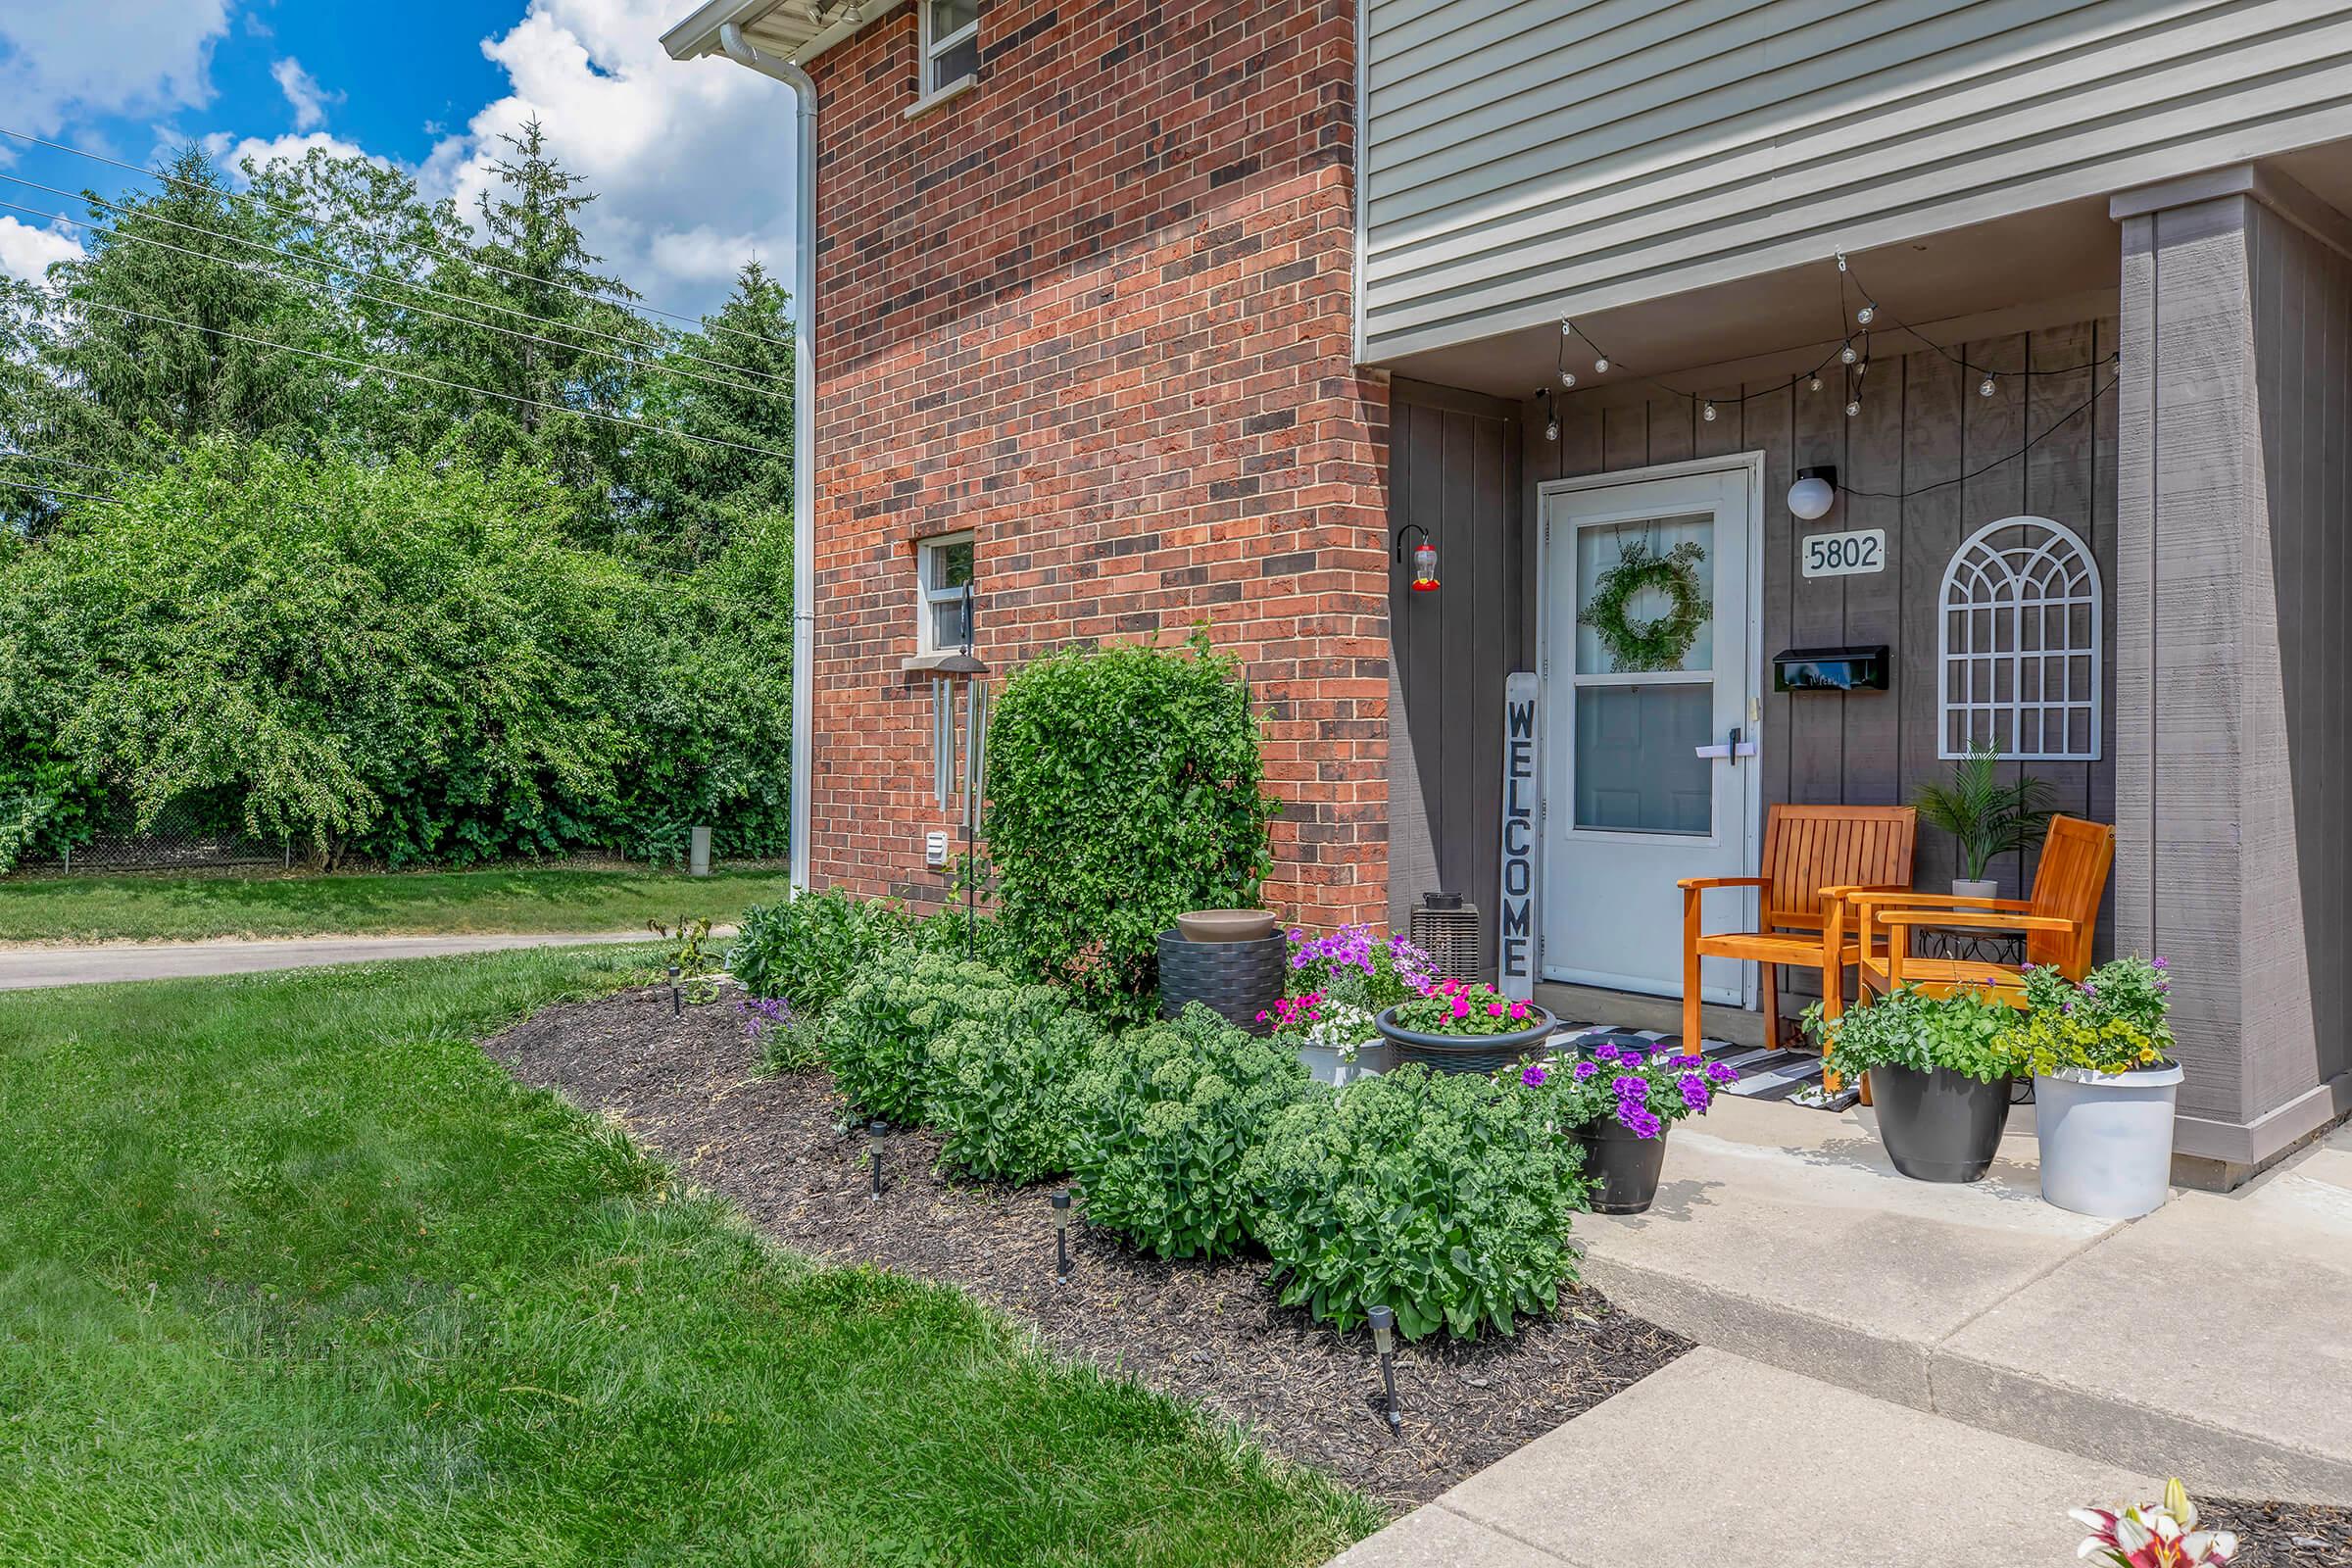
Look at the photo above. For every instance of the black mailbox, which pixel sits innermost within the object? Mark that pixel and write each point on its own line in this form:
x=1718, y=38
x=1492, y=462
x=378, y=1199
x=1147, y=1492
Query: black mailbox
x=1830, y=670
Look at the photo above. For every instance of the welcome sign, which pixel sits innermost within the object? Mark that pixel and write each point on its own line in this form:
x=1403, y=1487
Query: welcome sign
x=1522, y=819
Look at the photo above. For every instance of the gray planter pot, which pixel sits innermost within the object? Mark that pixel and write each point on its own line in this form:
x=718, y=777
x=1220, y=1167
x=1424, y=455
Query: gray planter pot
x=1235, y=980
x=1939, y=1126
x=1986, y=888
x=1324, y=1062
x=2107, y=1139
x=1467, y=1052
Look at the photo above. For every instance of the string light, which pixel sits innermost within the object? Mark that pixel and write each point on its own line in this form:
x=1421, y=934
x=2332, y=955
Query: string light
x=1984, y=387
x=1709, y=411
x=1567, y=378
x=1814, y=384
x=1601, y=366
x=1848, y=354
x=1865, y=315
x=1853, y=407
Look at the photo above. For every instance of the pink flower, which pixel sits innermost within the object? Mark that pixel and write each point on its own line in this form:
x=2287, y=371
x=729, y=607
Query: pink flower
x=1518, y=1009
x=1495, y=1010
x=1461, y=1007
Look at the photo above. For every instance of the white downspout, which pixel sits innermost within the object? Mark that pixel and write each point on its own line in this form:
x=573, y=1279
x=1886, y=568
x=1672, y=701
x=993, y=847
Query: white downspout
x=804, y=426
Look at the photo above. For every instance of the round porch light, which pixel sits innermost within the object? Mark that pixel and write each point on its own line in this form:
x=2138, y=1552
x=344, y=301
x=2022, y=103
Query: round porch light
x=1813, y=494
x=1567, y=378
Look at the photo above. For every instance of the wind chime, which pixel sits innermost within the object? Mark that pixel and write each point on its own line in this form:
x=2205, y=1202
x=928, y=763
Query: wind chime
x=960, y=667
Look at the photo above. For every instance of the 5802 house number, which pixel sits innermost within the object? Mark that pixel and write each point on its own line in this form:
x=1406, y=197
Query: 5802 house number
x=1845, y=555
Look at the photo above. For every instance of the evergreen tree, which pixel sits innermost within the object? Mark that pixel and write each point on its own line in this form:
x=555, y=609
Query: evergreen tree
x=732, y=382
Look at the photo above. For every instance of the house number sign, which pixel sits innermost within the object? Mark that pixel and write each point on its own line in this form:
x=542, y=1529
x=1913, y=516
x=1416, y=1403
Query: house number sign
x=1522, y=817
x=1845, y=555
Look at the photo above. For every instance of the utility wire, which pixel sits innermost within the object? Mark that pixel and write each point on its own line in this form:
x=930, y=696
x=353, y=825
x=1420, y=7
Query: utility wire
x=433, y=380
x=337, y=266
x=52, y=490
x=313, y=221
x=399, y=305
x=63, y=463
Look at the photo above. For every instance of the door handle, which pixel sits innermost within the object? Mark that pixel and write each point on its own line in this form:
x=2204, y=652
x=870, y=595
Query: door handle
x=1731, y=751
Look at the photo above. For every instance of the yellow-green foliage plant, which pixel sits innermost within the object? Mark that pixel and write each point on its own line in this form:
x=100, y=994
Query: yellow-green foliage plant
x=2114, y=1021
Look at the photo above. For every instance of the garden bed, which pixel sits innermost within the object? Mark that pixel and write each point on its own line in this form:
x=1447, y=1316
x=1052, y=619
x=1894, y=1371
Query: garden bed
x=777, y=1147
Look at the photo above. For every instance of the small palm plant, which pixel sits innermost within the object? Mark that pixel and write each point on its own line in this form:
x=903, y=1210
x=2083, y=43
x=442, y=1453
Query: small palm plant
x=1987, y=816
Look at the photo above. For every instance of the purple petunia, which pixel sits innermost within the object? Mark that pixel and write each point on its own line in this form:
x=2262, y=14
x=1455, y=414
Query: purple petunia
x=1694, y=1091
x=2158, y=964
x=1722, y=1072
x=1607, y=1051
x=1637, y=1120
x=1533, y=1076
x=1586, y=1069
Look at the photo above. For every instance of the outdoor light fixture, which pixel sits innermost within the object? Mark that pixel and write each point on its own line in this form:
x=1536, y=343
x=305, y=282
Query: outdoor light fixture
x=1425, y=558
x=1848, y=354
x=1865, y=315
x=1383, y=1340
x=1567, y=379
x=1813, y=385
x=1062, y=1234
x=1813, y=494
x=1708, y=412
x=1600, y=366
x=675, y=1009
x=1984, y=387
x=874, y=1130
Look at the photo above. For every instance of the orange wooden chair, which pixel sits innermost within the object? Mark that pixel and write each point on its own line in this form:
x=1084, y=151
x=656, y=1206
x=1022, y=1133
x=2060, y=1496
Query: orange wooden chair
x=1814, y=858
x=2060, y=921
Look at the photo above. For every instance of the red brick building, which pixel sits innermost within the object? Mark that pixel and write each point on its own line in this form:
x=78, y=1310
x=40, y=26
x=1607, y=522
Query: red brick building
x=1094, y=312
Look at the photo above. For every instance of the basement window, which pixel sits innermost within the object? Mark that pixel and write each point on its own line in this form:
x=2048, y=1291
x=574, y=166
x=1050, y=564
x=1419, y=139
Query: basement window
x=944, y=569
x=951, y=44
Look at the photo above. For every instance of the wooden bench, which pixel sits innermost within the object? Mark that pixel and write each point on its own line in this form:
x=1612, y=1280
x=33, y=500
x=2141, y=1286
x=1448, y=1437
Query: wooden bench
x=1814, y=858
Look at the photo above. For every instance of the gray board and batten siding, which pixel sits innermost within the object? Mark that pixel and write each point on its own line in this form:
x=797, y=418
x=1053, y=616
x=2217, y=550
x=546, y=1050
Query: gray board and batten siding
x=1524, y=159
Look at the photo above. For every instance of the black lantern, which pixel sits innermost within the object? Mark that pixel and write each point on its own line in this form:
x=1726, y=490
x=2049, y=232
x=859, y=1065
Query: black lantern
x=873, y=1131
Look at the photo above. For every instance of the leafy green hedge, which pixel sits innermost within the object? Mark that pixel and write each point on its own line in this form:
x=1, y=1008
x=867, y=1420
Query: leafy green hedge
x=1162, y=1122
x=1124, y=789
x=1442, y=1196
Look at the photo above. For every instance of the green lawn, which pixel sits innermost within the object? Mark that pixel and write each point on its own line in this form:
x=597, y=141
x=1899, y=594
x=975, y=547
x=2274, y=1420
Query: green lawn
x=289, y=1272
x=103, y=908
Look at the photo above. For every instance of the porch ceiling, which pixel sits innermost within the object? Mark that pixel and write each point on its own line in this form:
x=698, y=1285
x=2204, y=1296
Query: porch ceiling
x=1946, y=285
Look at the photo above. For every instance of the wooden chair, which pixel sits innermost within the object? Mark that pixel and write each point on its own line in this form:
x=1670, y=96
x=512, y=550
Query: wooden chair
x=2061, y=921
x=1814, y=858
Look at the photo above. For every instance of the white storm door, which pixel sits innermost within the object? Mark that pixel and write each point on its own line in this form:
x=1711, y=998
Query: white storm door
x=1631, y=805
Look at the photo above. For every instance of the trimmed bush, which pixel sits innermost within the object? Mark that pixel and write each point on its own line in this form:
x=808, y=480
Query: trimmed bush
x=808, y=949
x=1159, y=1123
x=877, y=1038
x=1124, y=789
x=1000, y=1086
x=1444, y=1197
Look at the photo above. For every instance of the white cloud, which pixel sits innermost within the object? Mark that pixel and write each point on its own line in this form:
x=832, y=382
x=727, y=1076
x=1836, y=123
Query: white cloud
x=231, y=152
x=308, y=99
x=673, y=149
x=63, y=57
x=26, y=251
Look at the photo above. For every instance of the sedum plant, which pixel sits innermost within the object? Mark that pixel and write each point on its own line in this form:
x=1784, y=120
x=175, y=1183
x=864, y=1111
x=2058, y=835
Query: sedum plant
x=997, y=1088
x=2114, y=1021
x=810, y=946
x=1446, y=1198
x=877, y=1038
x=1967, y=1033
x=1987, y=816
x=1160, y=1121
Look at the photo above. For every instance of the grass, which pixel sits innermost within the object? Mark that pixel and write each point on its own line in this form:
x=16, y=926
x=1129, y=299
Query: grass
x=102, y=908
x=290, y=1272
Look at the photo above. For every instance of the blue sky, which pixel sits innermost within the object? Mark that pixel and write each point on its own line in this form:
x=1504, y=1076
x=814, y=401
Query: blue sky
x=694, y=161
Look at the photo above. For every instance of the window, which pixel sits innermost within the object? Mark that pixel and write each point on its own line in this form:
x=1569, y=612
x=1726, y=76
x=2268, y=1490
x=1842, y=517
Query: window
x=944, y=567
x=950, y=43
x=2019, y=643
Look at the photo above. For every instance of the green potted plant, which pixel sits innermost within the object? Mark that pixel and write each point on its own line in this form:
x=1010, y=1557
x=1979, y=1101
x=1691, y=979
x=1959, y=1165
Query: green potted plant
x=2104, y=1085
x=1939, y=1071
x=1985, y=816
x=1456, y=1027
x=1617, y=1100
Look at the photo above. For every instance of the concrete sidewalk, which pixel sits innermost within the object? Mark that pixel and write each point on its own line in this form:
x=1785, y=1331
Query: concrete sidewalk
x=27, y=967
x=2210, y=1339
x=1715, y=1459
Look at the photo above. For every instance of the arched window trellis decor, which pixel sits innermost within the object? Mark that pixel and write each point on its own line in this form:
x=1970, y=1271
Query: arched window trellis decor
x=2020, y=643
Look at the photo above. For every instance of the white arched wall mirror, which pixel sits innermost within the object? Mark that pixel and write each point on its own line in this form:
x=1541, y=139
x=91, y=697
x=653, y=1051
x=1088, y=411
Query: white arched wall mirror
x=2020, y=631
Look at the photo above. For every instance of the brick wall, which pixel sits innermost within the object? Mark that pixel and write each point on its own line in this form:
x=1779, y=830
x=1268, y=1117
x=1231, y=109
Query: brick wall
x=1097, y=310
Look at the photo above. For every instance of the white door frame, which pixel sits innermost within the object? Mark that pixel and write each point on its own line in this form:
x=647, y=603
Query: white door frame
x=1752, y=786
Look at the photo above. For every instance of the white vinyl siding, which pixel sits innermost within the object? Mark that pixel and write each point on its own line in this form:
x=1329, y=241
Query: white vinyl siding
x=1525, y=160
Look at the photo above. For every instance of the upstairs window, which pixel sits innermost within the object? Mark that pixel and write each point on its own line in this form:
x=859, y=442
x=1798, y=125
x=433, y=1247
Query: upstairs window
x=944, y=567
x=950, y=43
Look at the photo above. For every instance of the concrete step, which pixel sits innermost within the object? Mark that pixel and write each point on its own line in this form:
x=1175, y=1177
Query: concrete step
x=1714, y=1459
x=2208, y=1341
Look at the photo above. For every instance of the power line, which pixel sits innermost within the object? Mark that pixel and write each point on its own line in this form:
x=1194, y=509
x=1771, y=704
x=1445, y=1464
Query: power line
x=336, y=266
x=52, y=490
x=377, y=299
x=63, y=463
x=433, y=380
x=313, y=220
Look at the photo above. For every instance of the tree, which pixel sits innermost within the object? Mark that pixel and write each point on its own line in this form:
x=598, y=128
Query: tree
x=730, y=382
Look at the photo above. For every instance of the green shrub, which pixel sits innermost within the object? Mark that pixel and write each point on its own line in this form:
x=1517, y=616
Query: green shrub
x=1160, y=1121
x=1444, y=1197
x=810, y=946
x=1966, y=1032
x=1124, y=789
x=1000, y=1086
x=877, y=1038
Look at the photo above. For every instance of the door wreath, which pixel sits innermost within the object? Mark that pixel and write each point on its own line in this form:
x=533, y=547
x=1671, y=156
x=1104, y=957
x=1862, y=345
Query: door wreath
x=1658, y=644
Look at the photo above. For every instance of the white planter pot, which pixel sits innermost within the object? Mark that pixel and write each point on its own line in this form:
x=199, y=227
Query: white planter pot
x=1984, y=889
x=2106, y=1140
x=1325, y=1063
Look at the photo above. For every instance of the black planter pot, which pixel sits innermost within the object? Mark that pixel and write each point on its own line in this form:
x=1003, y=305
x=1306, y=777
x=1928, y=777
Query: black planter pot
x=1466, y=1052
x=1625, y=1169
x=1939, y=1126
x=1235, y=980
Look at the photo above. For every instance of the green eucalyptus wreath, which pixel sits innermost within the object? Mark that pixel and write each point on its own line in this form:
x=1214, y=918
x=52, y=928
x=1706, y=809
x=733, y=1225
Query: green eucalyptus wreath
x=1658, y=644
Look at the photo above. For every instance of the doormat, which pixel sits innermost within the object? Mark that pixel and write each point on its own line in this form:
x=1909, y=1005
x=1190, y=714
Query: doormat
x=1765, y=1072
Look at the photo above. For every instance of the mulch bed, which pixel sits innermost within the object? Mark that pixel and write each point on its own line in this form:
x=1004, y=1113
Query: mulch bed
x=2282, y=1535
x=1211, y=1332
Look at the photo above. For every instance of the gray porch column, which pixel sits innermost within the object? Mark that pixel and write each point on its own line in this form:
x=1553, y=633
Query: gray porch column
x=2233, y=583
